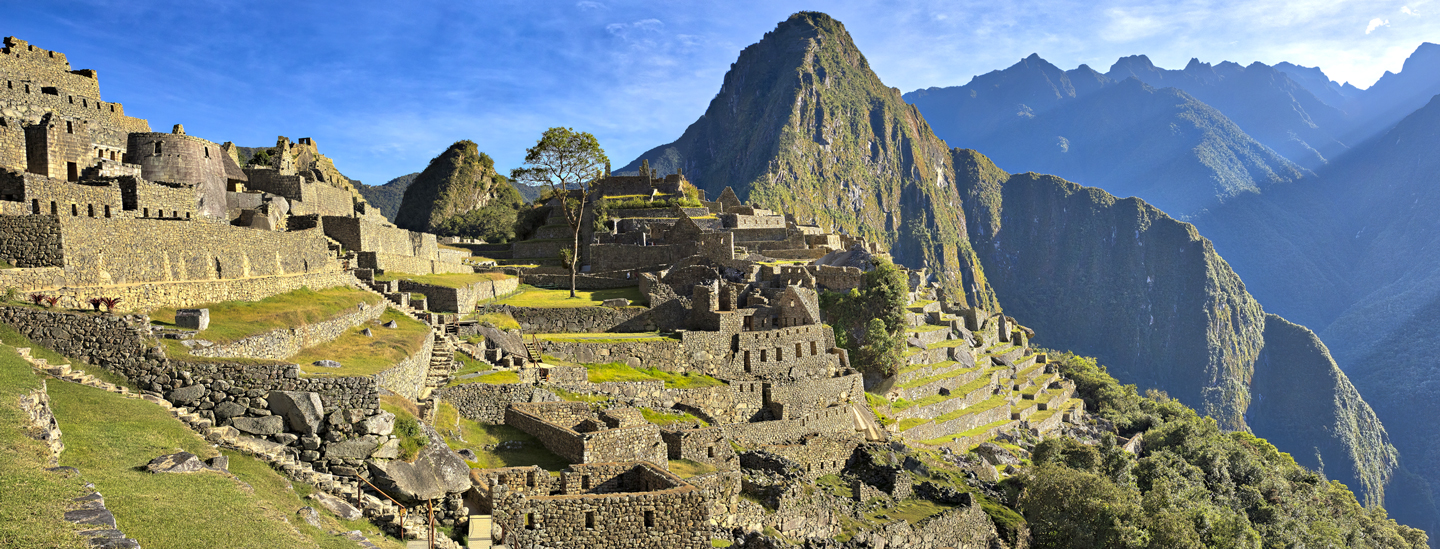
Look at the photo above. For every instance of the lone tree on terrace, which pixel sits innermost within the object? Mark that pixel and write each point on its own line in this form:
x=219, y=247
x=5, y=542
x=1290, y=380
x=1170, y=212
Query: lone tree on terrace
x=568, y=163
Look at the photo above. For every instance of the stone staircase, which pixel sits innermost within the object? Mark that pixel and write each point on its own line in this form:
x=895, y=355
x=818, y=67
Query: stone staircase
x=442, y=364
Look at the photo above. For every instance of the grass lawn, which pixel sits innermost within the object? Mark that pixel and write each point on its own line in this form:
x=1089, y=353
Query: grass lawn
x=619, y=371
x=109, y=438
x=464, y=433
x=670, y=418
x=236, y=320
x=359, y=355
x=530, y=296
x=449, y=280
x=910, y=510
x=13, y=338
x=503, y=377
x=685, y=468
x=502, y=321
x=34, y=501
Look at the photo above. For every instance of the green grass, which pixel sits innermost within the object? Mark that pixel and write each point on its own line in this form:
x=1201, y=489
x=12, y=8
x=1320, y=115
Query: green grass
x=449, y=280
x=464, y=433
x=502, y=321
x=359, y=355
x=935, y=378
x=835, y=485
x=469, y=364
x=503, y=377
x=910, y=423
x=407, y=428
x=951, y=438
x=236, y=320
x=685, y=468
x=6, y=264
x=35, y=500
x=720, y=543
x=10, y=337
x=619, y=371
x=109, y=438
x=530, y=296
x=670, y=418
x=910, y=510
x=280, y=493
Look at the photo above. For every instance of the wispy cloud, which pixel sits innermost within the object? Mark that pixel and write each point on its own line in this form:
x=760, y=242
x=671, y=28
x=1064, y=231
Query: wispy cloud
x=1407, y=10
x=1375, y=24
x=590, y=5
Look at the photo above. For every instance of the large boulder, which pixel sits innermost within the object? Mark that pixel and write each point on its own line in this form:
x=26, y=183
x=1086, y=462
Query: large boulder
x=268, y=425
x=437, y=471
x=303, y=412
x=382, y=424
x=359, y=448
x=187, y=395
x=227, y=410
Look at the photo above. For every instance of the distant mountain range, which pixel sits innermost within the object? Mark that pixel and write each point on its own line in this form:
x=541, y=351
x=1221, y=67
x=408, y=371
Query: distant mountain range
x=1320, y=195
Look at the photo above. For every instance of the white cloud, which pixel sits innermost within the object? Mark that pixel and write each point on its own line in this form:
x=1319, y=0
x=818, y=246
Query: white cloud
x=590, y=5
x=1407, y=10
x=1375, y=24
x=1125, y=25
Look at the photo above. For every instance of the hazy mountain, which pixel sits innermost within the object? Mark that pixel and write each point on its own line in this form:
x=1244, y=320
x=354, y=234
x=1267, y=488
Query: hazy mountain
x=1396, y=95
x=1127, y=137
x=460, y=181
x=802, y=125
x=387, y=197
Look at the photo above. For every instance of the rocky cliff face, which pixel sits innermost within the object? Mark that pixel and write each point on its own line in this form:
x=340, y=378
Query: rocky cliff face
x=459, y=181
x=1149, y=297
x=802, y=125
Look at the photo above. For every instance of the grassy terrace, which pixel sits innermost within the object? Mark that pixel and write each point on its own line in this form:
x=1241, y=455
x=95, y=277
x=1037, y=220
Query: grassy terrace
x=608, y=337
x=451, y=280
x=958, y=392
x=619, y=371
x=464, y=433
x=983, y=406
x=927, y=328
x=951, y=438
x=531, y=296
x=34, y=499
x=110, y=438
x=685, y=468
x=502, y=321
x=504, y=377
x=941, y=377
x=236, y=320
x=359, y=355
x=670, y=418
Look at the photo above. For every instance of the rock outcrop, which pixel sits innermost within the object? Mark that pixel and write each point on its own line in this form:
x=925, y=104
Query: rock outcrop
x=460, y=182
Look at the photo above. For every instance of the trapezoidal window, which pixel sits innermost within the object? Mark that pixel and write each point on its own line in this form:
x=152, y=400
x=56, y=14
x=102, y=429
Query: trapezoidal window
x=207, y=152
x=798, y=353
x=107, y=211
x=90, y=210
x=589, y=520
x=649, y=519
x=529, y=521
x=813, y=351
x=35, y=206
x=69, y=127
x=159, y=147
x=53, y=209
x=72, y=171
x=74, y=210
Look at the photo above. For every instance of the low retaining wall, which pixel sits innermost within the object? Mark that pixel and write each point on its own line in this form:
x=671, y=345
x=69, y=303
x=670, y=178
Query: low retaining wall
x=284, y=343
x=835, y=420
x=957, y=425
x=149, y=295
x=460, y=300
x=408, y=378
x=663, y=353
x=487, y=403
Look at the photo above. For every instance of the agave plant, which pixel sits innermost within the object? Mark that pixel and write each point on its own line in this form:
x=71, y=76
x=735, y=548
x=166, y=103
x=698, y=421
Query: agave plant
x=110, y=303
x=51, y=300
x=37, y=298
x=95, y=302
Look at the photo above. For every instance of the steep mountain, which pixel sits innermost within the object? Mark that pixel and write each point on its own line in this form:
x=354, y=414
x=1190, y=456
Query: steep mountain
x=802, y=125
x=1357, y=253
x=1149, y=297
x=1262, y=100
x=387, y=197
x=460, y=182
x=1331, y=92
x=1124, y=136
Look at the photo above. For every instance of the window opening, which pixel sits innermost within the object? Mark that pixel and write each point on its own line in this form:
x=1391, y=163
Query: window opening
x=649, y=519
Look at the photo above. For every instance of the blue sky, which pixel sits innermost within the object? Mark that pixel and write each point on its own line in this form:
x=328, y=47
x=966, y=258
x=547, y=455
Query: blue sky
x=385, y=86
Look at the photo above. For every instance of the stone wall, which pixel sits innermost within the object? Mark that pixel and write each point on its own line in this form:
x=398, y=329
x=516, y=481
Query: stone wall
x=319, y=198
x=548, y=320
x=670, y=513
x=460, y=300
x=183, y=159
x=621, y=257
x=408, y=378
x=555, y=423
x=487, y=403
x=836, y=421
x=805, y=398
x=958, y=425
x=31, y=241
x=708, y=446
x=167, y=294
x=284, y=343
x=406, y=264
x=660, y=352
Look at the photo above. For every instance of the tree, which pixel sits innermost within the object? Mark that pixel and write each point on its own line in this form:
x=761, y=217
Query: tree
x=567, y=163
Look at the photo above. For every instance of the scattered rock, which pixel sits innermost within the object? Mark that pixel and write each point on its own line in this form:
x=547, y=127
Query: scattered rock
x=303, y=412
x=391, y=324
x=996, y=455
x=193, y=319
x=467, y=454
x=179, y=462
x=267, y=426
x=326, y=364
x=616, y=302
x=310, y=516
x=335, y=505
x=220, y=463
x=389, y=450
x=437, y=471
x=367, y=333
x=634, y=362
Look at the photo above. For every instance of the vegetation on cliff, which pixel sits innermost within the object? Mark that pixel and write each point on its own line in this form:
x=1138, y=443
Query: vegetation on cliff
x=869, y=321
x=460, y=194
x=1150, y=297
x=1191, y=485
x=387, y=197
